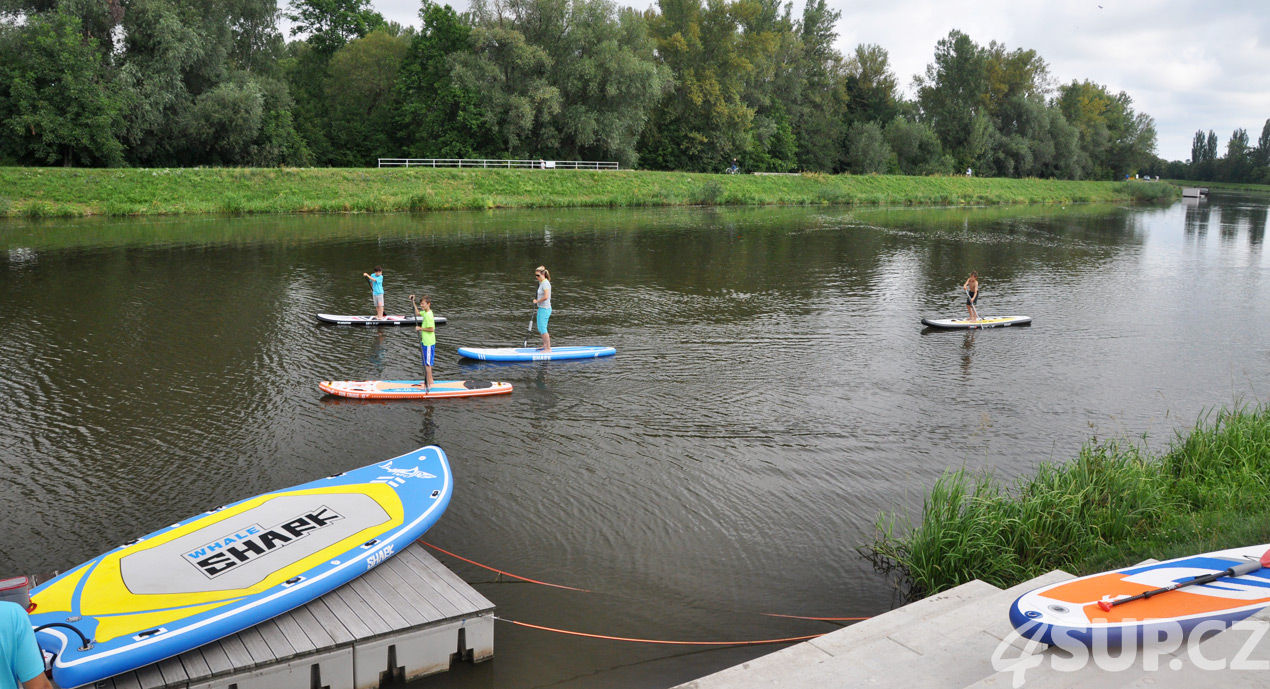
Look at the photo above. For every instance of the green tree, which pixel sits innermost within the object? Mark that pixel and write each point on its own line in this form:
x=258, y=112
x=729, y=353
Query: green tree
x=56, y=104
x=1113, y=138
x=571, y=79
x=867, y=150
x=705, y=122
x=917, y=150
x=361, y=98
x=817, y=121
x=330, y=24
x=952, y=94
x=1237, y=163
x=436, y=117
x=871, y=86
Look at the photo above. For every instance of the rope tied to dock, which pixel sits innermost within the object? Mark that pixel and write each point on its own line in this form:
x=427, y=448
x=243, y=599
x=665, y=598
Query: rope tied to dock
x=570, y=632
x=574, y=588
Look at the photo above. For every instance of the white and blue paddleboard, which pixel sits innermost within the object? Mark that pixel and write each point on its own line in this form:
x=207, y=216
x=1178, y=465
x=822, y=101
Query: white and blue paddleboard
x=233, y=567
x=535, y=354
x=985, y=322
x=1108, y=609
x=371, y=320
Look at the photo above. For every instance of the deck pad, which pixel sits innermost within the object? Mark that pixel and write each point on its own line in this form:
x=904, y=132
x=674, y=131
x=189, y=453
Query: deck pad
x=235, y=566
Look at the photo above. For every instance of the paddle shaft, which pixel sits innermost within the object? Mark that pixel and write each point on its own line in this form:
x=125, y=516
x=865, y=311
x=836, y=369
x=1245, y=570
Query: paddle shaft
x=529, y=329
x=1237, y=570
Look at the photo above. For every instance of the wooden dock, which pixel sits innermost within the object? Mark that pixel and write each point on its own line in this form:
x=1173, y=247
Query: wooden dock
x=405, y=619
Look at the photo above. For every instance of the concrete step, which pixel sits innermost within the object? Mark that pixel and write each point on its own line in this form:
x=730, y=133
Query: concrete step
x=816, y=663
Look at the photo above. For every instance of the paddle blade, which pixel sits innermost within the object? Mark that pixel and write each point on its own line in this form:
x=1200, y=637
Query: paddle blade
x=1265, y=559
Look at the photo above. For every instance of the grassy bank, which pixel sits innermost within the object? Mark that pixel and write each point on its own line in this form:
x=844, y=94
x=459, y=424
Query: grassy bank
x=1232, y=186
x=1111, y=506
x=71, y=192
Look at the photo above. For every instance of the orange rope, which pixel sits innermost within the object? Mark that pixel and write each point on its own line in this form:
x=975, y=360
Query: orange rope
x=571, y=588
x=509, y=574
x=659, y=641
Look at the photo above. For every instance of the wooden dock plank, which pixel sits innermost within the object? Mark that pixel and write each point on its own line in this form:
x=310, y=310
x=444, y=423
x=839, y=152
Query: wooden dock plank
x=296, y=635
x=217, y=659
x=418, y=575
x=453, y=590
x=357, y=626
x=326, y=621
x=173, y=672
x=256, y=646
x=413, y=606
x=366, y=614
x=195, y=664
x=279, y=645
x=127, y=680
x=150, y=677
x=392, y=617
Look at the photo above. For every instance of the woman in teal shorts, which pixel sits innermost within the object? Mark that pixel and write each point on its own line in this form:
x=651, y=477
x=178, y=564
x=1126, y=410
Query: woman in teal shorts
x=543, y=302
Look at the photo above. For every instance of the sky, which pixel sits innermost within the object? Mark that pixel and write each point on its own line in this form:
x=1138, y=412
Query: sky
x=1189, y=64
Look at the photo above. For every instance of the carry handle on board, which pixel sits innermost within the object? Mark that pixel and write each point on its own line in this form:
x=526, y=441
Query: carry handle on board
x=1236, y=571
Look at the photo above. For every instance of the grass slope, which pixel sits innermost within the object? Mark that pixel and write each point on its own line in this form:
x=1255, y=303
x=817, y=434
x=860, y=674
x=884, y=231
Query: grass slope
x=69, y=192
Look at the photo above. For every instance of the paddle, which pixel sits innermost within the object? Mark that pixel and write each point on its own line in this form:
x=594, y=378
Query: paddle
x=1237, y=570
x=529, y=330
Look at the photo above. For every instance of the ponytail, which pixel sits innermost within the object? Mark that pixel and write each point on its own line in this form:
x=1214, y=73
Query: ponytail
x=545, y=273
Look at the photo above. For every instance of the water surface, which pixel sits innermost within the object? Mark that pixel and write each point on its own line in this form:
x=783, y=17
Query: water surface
x=773, y=391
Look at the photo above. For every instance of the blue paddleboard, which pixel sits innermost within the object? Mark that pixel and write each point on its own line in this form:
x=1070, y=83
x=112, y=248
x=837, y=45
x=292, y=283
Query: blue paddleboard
x=534, y=354
x=235, y=566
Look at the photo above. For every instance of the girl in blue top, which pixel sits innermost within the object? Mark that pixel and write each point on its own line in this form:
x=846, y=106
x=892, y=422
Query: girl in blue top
x=377, y=291
x=543, y=302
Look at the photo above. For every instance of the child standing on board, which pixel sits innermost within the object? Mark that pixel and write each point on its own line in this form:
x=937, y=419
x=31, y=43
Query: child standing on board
x=377, y=291
x=971, y=288
x=543, y=302
x=427, y=338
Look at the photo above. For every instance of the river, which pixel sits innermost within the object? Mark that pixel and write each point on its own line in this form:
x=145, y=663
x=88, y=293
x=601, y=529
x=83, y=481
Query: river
x=773, y=391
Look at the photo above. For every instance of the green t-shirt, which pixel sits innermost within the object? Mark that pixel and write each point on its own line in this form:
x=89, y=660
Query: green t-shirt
x=428, y=338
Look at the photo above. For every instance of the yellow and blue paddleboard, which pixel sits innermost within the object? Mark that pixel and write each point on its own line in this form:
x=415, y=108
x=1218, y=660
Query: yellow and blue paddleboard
x=233, y=567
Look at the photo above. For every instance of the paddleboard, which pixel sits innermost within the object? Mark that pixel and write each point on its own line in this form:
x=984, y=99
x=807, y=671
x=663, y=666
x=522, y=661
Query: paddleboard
x=235, y=566
x=967, y=324
x=412, y=389
x=534, y=354
x=371, y=320
x=1067, y=613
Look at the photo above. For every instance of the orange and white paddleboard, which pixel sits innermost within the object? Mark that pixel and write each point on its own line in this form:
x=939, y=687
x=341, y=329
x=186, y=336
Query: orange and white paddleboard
x=1096, y=609
x=412, y=389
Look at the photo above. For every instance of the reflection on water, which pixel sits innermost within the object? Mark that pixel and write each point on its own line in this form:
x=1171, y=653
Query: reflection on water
x=773, y=389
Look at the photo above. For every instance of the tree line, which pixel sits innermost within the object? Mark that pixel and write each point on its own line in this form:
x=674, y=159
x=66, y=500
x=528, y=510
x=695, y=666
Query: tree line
x=687, y=85
x=1241, y=162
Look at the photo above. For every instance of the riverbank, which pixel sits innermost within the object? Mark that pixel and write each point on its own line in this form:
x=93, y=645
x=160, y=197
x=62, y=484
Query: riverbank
x=1230, y=186
x=1111, y=506
x=75, y=192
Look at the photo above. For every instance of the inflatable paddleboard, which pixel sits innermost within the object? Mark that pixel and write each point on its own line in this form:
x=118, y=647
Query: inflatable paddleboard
x=534, y=354
x=967, y=324
x=235, y=566
x=1069, y=613
x=371, y=320
x=412, y=389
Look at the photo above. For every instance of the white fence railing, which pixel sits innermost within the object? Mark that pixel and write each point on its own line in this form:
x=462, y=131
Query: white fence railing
x=495, y=163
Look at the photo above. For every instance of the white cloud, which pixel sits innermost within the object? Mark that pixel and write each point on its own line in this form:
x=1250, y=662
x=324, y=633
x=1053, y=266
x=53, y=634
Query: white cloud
x=1190, y=64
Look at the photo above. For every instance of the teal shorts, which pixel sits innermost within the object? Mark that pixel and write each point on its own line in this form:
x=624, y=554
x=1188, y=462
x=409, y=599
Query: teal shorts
x=543, y=315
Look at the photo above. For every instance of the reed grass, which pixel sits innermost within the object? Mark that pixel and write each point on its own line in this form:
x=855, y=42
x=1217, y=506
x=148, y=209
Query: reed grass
x=1111, y=506
x=64, y=192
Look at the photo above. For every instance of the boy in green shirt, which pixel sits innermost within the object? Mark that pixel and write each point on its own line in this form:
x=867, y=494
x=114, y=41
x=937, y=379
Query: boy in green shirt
x=427, y=337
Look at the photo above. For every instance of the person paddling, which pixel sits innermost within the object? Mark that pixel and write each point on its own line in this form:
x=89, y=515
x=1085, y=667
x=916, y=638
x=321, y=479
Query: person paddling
x=427, y=338
x=377, y=291
x=971, y=288
x=543, y=302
